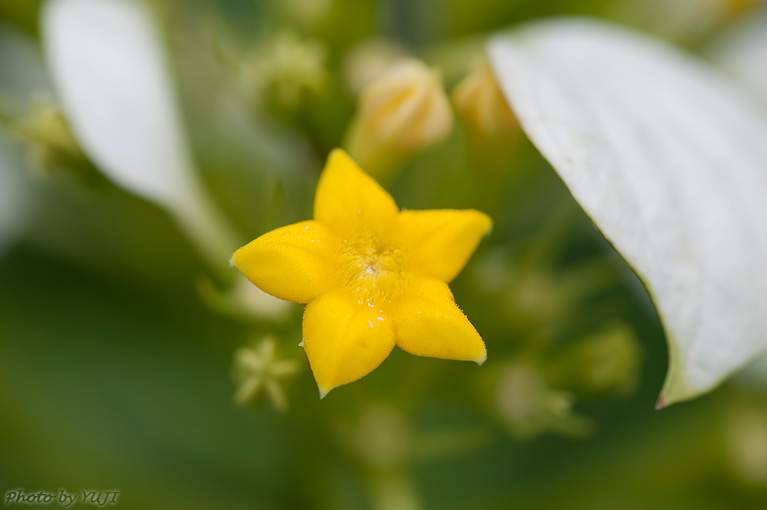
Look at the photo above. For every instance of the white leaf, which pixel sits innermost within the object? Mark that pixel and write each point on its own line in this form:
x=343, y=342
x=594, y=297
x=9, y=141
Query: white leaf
x=671, y=164
x=110, y=72
x=112, y=77
x=742, y=53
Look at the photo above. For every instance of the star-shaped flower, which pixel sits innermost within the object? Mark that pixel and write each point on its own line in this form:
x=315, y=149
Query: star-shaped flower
x=373, y=276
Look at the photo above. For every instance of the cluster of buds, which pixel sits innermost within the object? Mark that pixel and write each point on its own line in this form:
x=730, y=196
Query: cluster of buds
x=403, y=109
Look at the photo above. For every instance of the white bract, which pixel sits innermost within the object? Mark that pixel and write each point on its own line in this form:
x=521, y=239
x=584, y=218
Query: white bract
x=670, y=162
x=114, y=84
x=742, y=53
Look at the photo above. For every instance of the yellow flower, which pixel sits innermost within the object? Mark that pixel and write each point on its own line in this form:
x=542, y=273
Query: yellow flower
x=373, y=276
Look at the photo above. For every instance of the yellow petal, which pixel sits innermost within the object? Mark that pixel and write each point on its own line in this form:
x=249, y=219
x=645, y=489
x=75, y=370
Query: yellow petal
x=349, y=201
x=438, y=243
x=344, y=339
x=295, y=263
x=427, y=322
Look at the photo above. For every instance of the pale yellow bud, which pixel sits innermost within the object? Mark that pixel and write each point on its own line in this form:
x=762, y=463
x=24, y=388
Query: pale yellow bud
x=309, y=12
x=401, y=112
x=738, y=7
x=746, y=441
x=370, y=60
x=481, y=104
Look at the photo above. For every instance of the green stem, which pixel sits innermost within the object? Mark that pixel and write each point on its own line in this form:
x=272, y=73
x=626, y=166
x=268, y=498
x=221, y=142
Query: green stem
x=209, y=230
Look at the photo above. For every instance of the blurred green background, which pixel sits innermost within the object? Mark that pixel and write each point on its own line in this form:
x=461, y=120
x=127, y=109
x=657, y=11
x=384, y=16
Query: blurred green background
x=118, y=364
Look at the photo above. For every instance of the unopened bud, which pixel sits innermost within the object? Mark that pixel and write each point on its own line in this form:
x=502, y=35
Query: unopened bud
x=260, y=371
x=746, y=441
x=605, y=363
x=480, y=103
x=370, y=60
x=530, y=407
x=403, y=111
x=51, y=146
x=286, y=72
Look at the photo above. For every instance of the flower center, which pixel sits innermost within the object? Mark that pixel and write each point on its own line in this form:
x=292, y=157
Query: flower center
x=373, y=270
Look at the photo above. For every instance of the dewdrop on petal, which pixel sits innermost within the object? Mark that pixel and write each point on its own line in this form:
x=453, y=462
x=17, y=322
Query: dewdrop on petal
x=401, y=112
x=480, y=103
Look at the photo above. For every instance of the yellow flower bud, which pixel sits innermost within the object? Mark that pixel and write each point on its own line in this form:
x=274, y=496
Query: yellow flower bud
x=738, y=7
x=401, y=112
x=309, y=12
x=746, y=441
x=480, y=103
x=370, y=60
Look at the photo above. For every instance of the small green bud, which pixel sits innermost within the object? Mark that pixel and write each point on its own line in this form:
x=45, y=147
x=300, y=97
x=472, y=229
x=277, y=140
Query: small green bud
x=51, y=146
x=259, y=371
x=286, y=72
x=529, y=406
x=604, y=363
